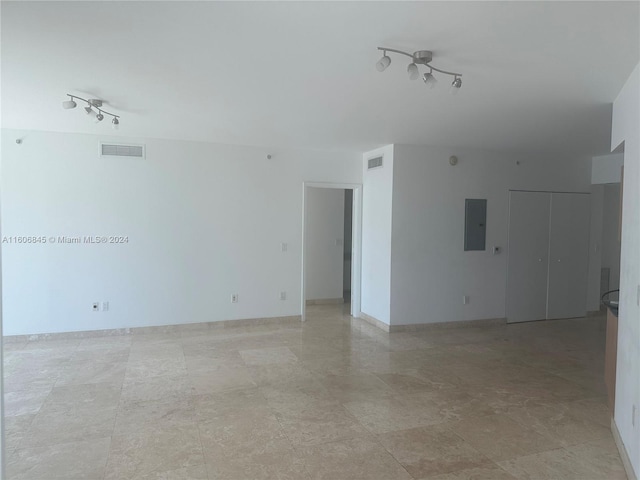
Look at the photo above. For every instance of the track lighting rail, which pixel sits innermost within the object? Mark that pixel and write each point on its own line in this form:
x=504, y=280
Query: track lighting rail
x=420, y=57
x=92, y=104
x=418, y=60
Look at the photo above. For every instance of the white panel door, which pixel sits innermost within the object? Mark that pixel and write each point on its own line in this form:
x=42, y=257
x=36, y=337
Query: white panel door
x=568, y=255
x=528, y=256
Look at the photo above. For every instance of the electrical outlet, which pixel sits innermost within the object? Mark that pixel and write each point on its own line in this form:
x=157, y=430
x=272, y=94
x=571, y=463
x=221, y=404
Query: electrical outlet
x=95, y=307
x=105, y=306
x=633, y=415
x=284, y=247
x=234, y=298
x=465, y=299
x=283, y=295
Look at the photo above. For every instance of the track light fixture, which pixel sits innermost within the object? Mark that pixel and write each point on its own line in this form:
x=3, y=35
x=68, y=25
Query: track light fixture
x=429, y=79
x=383, y=63
x=92, y=104
x=455, y=85
x=413, y=71
x=67, y=104
x=421, y=57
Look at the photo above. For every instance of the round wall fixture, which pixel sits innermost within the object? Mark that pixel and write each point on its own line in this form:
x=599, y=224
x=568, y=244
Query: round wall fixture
x=453, y=160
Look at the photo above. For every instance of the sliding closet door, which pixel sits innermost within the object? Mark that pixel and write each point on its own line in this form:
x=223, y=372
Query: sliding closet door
x=528, y=256
x=569, y=255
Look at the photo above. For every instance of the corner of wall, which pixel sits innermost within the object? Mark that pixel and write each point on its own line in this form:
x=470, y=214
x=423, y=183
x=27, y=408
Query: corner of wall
x=377, y=198
x=625, y=127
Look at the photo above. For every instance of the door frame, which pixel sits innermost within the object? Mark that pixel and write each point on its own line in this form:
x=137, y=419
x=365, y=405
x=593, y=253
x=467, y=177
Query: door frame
x=356, y=243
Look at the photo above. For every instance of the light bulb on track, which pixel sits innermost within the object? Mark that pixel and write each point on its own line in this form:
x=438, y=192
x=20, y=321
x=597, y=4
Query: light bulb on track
x=413, y=72
x=455, y=85
x=383, y=63
x=429, y=79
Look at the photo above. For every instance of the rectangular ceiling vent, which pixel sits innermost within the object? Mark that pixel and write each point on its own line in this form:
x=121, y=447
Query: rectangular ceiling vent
x=118, y=150
x=374, y=163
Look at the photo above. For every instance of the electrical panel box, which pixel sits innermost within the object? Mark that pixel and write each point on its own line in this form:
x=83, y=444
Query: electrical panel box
x=475, y=224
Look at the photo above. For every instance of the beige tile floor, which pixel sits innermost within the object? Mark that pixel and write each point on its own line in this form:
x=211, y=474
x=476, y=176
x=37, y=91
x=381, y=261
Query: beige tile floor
x=333, y=399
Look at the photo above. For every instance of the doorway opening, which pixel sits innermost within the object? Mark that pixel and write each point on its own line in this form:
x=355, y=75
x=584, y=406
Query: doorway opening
x=331, y=246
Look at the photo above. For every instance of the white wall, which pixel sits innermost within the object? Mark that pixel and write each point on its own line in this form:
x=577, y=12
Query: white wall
x=626, y=128
x=430, y=270
x=595, y=248
x=606, y=168
x=203, y=220
x=377, y=195
x=2, y=428
x=610, y=238
x=604, y=249
x=324, y=249
x=348, y=240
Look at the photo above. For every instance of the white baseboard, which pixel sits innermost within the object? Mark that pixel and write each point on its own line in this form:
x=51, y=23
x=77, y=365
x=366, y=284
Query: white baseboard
x=325, y=301
x=178, y=328
x=628, y=468
x=483, y=322
x=374, y=321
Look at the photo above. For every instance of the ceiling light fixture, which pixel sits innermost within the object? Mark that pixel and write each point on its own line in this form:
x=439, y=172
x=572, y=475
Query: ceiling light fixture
x=421, y=57
x=92, y=103
x=455, y=85
x=429, y=79
x=383, y=63
x=67, y=104
x=413, y=71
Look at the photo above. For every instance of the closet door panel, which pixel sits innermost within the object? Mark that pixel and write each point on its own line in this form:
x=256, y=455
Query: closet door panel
x=568, y=255
x=528, y=256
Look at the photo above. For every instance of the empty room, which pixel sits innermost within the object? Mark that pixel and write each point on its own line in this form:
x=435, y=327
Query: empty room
x=320, y=240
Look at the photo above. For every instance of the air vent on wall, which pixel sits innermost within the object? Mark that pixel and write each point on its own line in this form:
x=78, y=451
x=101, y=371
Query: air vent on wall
x=113, y=150
x=374, y=163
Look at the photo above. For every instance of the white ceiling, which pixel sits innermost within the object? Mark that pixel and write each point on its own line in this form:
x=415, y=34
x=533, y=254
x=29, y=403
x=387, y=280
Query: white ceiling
x=536, y=75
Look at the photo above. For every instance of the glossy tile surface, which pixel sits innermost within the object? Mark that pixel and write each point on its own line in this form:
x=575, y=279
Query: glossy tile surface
x=333, y=398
